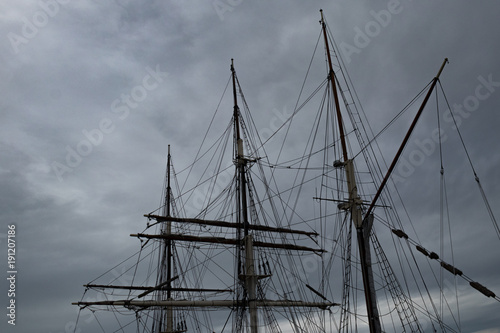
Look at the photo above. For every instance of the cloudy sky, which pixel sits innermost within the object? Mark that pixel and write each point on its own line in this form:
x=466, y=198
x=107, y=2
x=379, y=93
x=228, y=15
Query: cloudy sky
x=94, y=91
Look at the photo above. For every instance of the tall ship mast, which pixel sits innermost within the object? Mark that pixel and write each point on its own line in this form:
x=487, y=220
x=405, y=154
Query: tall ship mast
x=304, y=240
x=250, y=240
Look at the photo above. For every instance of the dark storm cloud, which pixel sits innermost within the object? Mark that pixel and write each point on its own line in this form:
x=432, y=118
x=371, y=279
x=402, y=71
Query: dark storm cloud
x=65, y=63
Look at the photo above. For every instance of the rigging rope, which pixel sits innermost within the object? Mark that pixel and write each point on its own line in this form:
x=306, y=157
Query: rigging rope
x=444, y=211
x=400, y=113
x=197, y=157
x=435, y=256
x=476, y=177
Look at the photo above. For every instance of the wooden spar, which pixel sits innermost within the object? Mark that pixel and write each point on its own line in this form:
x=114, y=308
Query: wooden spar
x=229, y=224
x=208, y=290
x=316, y=292
x=363, y=226
x=205, y=303
x=246, y=248
x=229, y=241
x=116, y=287
x=240, y=223
x=333, y=82
x=240, y=160
x=405, y=140
x=168, y=283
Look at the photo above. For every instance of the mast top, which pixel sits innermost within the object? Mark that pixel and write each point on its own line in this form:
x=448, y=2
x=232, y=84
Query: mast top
x=446, y=61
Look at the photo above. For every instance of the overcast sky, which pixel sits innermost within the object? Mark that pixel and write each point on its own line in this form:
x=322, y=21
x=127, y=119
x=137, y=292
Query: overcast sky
x=94, y=91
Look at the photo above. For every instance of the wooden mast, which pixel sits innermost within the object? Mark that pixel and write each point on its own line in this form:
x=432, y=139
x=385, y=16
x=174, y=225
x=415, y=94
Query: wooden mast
x=363, y=227
x=247, y=241
x=170, y=319
x=245, y=252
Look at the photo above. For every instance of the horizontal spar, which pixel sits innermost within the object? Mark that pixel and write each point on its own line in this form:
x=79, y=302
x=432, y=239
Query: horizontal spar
x=105, y=286
x=214, y=303
x=229, y=241
x=229, y=224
